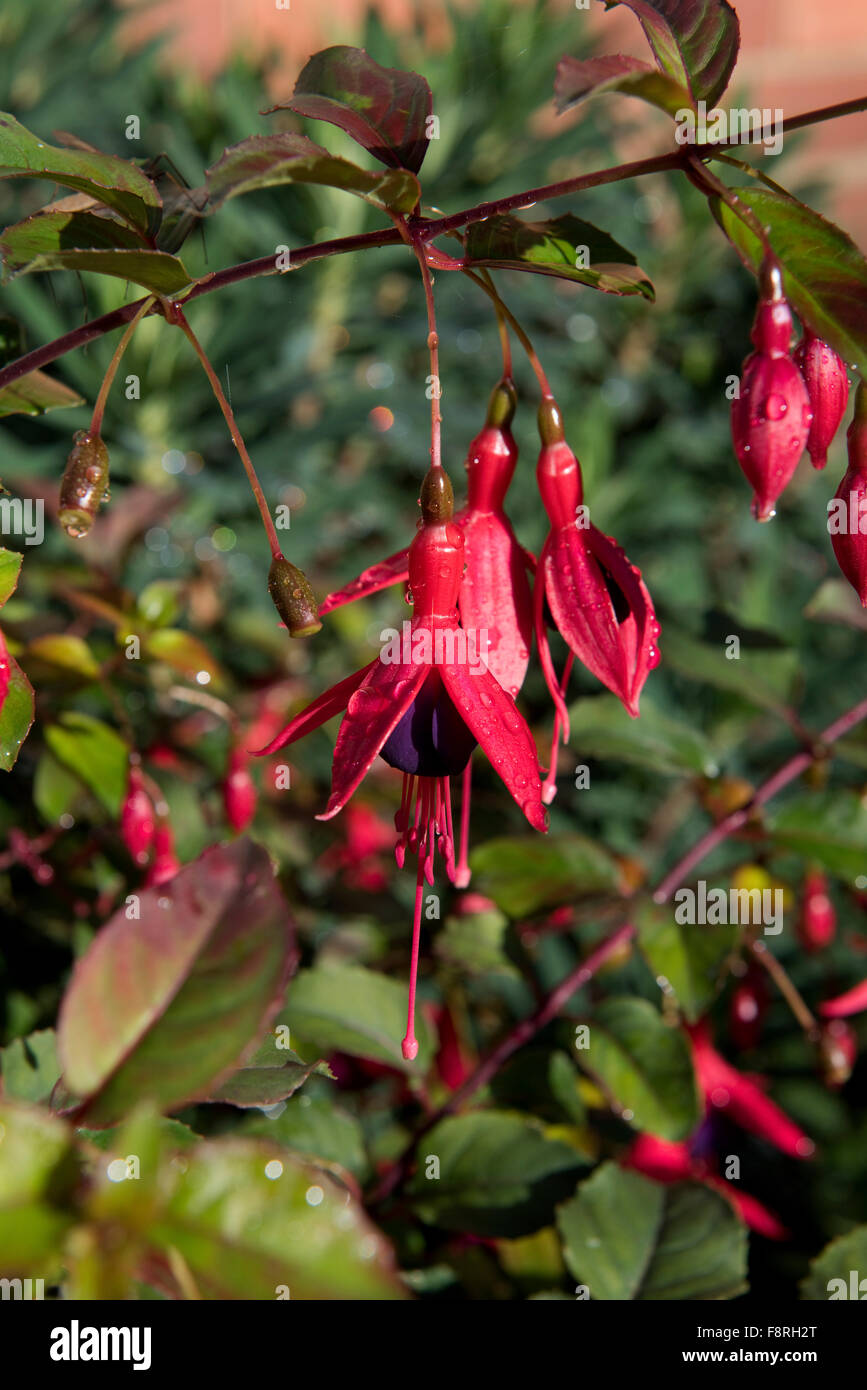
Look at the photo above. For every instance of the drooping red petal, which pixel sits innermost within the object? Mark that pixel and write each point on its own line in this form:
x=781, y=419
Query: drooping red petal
x=740, y=1098
x=852, y=1002
x=495, y=596
x=545, y=660
x=617, y=652
x=752, y=1212
x=491, y=716
x=328, y=704
x=373, y=711
x=663, y=1159
x=393, y=570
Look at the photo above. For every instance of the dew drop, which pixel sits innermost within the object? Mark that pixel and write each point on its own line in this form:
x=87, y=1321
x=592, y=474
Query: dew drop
x=775, y=406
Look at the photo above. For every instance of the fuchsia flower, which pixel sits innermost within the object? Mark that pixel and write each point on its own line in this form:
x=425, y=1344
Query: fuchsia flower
x=748, y=1006
x=771, y=417
x=824, y=373
x=165, y=863
x=239, y=792
x=494, y=596
x=669, y=1162
x=741, y=1099
x=818, y=921
x=494, y=599
x=598, y=600
x=425, y=714
x=137, y=818
x=359, y=858
x=847, y=537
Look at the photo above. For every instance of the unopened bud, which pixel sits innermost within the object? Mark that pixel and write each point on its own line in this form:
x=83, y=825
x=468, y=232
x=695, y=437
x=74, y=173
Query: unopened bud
x=293, y=598
x=85, y=484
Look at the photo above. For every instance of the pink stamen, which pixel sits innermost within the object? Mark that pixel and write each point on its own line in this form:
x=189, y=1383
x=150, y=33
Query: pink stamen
x=409, y=1046
x=549, y=786
x=462, y=875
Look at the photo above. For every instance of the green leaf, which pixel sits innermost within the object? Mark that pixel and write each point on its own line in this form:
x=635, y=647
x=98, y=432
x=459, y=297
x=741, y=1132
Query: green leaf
x=166, y=1006
x=34, y=394
x=159, y=602
x=113, y=182
x=837, y=1261
x=695, y=41
x=95, y=753
x=644, y=1065
x=555, y=248
x=761, y=676
x=829, y=827
x=184, y=652
x=38, y=1172
x=601, y=728
x=55, y=789
x=475, y=944
x=16, y=713
x=271, y=1075
x=835, y=601
x=58, y=656
x=318, y=1129
x=627, y=1238
x=497, y=1174
x=689, y=958
x=615, y=72
x=265, y=161
x=10, y=570
x=545, y=1083
x=30, y=1067
x=253, y=1223
x=383, y=109
x=82, y=241
x=348, y=1008
x=523, y=876
x=824, y=272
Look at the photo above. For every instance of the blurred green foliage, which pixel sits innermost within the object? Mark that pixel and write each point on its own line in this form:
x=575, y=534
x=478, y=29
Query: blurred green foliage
x=307, y=357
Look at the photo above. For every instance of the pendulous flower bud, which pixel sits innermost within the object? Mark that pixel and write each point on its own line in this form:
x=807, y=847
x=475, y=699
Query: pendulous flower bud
x=771, y=416
x=847, y=522
x=817, y=925
x=293, y=598
x=137, y=818
x=838, y=1053
x=84, y=487
x=824, y=373
x=239, y=791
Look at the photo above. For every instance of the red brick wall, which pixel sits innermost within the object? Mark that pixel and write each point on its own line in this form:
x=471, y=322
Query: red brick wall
x=796, y=55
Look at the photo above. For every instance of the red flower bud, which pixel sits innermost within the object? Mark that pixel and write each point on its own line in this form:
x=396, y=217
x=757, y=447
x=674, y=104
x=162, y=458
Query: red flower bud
x=747, y=1010
x=848, y=524
x=137, y=818
x=771, y=417
x=165, y=863
x=818, y=921
x=239, y=792
x=824, y=373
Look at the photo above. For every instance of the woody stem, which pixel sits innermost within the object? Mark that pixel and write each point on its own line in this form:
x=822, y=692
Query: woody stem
x=778, y=974
x=179, y=317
